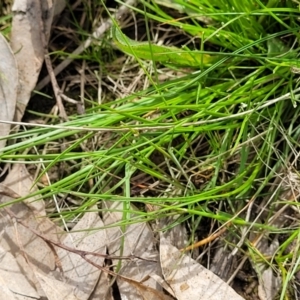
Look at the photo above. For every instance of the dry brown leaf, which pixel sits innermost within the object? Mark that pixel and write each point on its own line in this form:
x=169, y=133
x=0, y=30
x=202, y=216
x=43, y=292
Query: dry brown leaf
x=20, y=182
x=5, y=292
x=176, y=235
x=16, y=239
x=59, y=7
x=269, y=283
x=8, y=87
x=138, y=241
x=163, y=284
x=56, y=290
x=13, y=276
x=25, y=246
x=6, y=191
x=144, y=292
x=77, y=271
x=103, y=289
x=27, y=44
x=188, y=279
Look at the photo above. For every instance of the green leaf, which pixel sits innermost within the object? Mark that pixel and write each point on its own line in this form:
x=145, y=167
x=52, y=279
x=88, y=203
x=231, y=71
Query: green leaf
x=277, y=47
x=161, y=54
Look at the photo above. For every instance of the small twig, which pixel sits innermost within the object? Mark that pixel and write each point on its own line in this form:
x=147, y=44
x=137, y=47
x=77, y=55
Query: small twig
x=55, y=87
x=206, y=240
x=79, y=104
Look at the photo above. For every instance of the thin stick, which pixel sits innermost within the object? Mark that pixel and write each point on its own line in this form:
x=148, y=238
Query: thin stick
x=205, y=241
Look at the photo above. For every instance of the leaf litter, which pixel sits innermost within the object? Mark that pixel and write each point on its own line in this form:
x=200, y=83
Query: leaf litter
x=27, y=43
x=25, y=245
x=8, y=87
x=188, y=279
x=29, y=245
x=77, y=270
x=138, y=240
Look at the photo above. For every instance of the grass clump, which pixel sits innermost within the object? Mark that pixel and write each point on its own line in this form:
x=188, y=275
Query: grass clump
x=215, y=143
